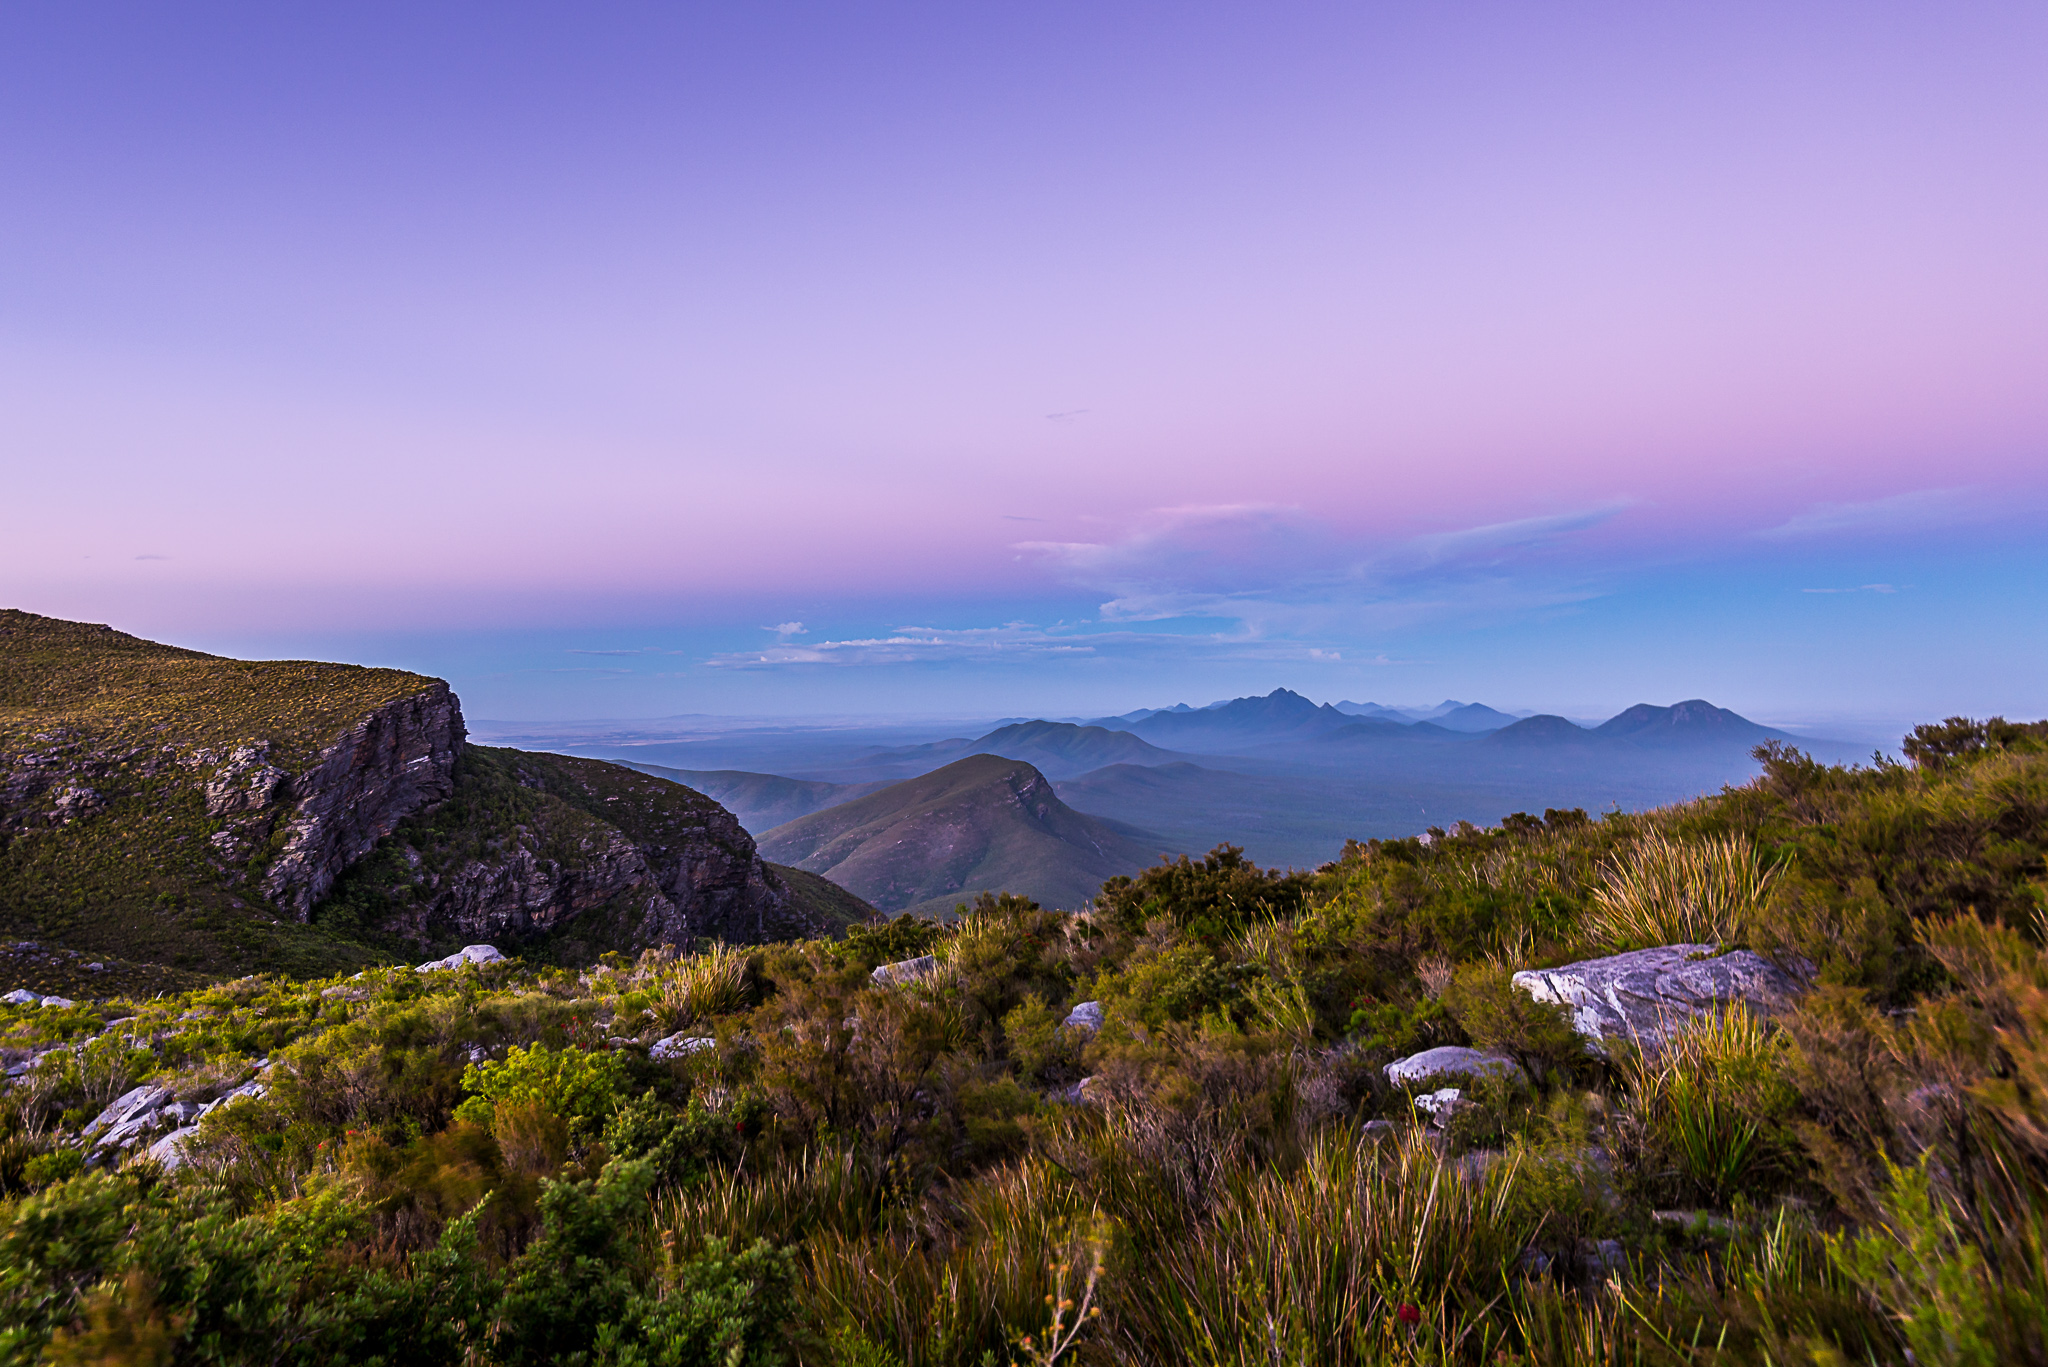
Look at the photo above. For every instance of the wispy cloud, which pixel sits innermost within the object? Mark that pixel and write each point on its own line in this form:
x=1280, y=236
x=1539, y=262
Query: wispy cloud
x=787, y=629
x=1919, y=508
x=1276, y=569
x=1278, y=583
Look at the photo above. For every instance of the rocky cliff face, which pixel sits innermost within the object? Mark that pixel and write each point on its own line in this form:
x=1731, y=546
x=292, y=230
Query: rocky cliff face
x=534, y=846
x=396, y=761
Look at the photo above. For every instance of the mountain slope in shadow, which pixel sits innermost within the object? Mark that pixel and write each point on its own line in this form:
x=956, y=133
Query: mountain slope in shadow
x=984, y=823
x=1056, y=749
x=761, y=801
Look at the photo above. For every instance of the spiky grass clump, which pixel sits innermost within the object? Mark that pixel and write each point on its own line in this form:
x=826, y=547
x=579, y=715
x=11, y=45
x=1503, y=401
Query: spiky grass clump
x=713, y=983
x=1664, y=891
x=1708, y=1099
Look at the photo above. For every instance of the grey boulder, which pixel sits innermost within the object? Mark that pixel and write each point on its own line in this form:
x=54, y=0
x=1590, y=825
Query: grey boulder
x=468, y=954
x=679, y=1046
x=908, y=971
x=1645, y=995
x=1450, y=1061
x=1087, y=1016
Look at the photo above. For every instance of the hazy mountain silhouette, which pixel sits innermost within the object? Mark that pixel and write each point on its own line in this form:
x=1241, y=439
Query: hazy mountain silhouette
x=1690, y=725
x=761, y=801
x=1280, y=716
x=984, y=823
x=1057, y=748
x=1472, y=717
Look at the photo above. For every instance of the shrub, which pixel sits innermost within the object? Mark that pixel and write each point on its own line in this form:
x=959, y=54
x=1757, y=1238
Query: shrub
x=579, y=1085
x=713, y=983
x=1222, y=894
x=1496, y=1015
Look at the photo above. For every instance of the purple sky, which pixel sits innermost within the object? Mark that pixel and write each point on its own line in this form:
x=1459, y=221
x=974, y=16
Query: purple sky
x=636, y=360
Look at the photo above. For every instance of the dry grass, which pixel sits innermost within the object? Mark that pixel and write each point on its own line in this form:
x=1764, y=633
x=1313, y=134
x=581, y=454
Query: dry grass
x=1664, y=891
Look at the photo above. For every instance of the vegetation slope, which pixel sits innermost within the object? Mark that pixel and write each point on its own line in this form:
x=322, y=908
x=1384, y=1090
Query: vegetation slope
x=123, y=864
x=493, y=1166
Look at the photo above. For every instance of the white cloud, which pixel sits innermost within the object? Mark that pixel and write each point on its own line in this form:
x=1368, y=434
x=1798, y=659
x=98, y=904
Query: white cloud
x=787, y=629
x=1916, y=509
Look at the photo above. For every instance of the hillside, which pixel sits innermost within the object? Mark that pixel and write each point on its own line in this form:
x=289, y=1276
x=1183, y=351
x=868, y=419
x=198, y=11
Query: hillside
x=571, y=857
x=981, y=823
x=167, y=813
x=177, y=808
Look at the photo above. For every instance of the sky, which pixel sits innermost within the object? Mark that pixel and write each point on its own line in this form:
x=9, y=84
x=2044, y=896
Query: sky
x=640, y=360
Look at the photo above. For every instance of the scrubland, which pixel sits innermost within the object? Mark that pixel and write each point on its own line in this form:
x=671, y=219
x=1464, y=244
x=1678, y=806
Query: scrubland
x=490, y=1165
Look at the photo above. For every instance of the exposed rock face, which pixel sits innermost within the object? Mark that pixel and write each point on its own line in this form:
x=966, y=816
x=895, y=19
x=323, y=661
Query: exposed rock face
x=1647, y=993
x=536, y=845
x=397, y=760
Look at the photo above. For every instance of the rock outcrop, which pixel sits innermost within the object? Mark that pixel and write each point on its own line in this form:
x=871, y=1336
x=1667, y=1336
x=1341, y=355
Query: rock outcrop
x=1644, y=995
x=536, y=846
x=394, y=762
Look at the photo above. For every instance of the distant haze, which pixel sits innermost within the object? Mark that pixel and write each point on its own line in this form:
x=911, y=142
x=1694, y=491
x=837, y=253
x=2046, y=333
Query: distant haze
x=1042, y=361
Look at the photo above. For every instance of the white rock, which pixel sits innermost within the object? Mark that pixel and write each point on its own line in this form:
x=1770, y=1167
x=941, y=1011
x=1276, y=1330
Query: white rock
x=908, y=971
x=679, y=1046
x=1450, y=1061
x=247, y=1089
x=468, y=954
x=129, y=1104
x=61, y=1003
x=1087, y=1016
x=170, y=1150
x=1647, y=993
x=1438, y=1105
x=21, y=996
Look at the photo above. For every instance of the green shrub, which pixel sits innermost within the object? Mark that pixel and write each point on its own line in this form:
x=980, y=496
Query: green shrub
x=580, y=1085
x=1221, y=895
x=1498, y=1016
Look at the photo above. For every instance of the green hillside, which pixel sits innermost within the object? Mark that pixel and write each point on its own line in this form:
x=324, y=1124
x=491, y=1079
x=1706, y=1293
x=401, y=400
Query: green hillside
x=980, y=824
x=106, y=744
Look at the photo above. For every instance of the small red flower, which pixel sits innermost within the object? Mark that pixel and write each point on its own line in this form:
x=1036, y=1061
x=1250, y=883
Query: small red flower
x=1408, y=1314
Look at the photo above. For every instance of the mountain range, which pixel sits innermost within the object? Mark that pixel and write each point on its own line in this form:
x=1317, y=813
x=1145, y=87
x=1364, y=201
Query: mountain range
x=1287, y=778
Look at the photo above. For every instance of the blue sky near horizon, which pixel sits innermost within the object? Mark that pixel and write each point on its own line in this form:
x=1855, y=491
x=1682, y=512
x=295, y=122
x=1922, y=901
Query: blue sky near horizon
x=799, y=359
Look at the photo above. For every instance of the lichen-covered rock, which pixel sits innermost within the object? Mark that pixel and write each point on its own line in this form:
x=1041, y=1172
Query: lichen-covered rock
x=468, y=954
x=907, y=971
x=1644, y=995
x=1086, y=1016
x=679, y=1046
x=1450, y=1061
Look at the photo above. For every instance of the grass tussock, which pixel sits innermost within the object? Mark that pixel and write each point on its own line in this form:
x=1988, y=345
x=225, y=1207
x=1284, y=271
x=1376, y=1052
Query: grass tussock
x=1706, y=890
